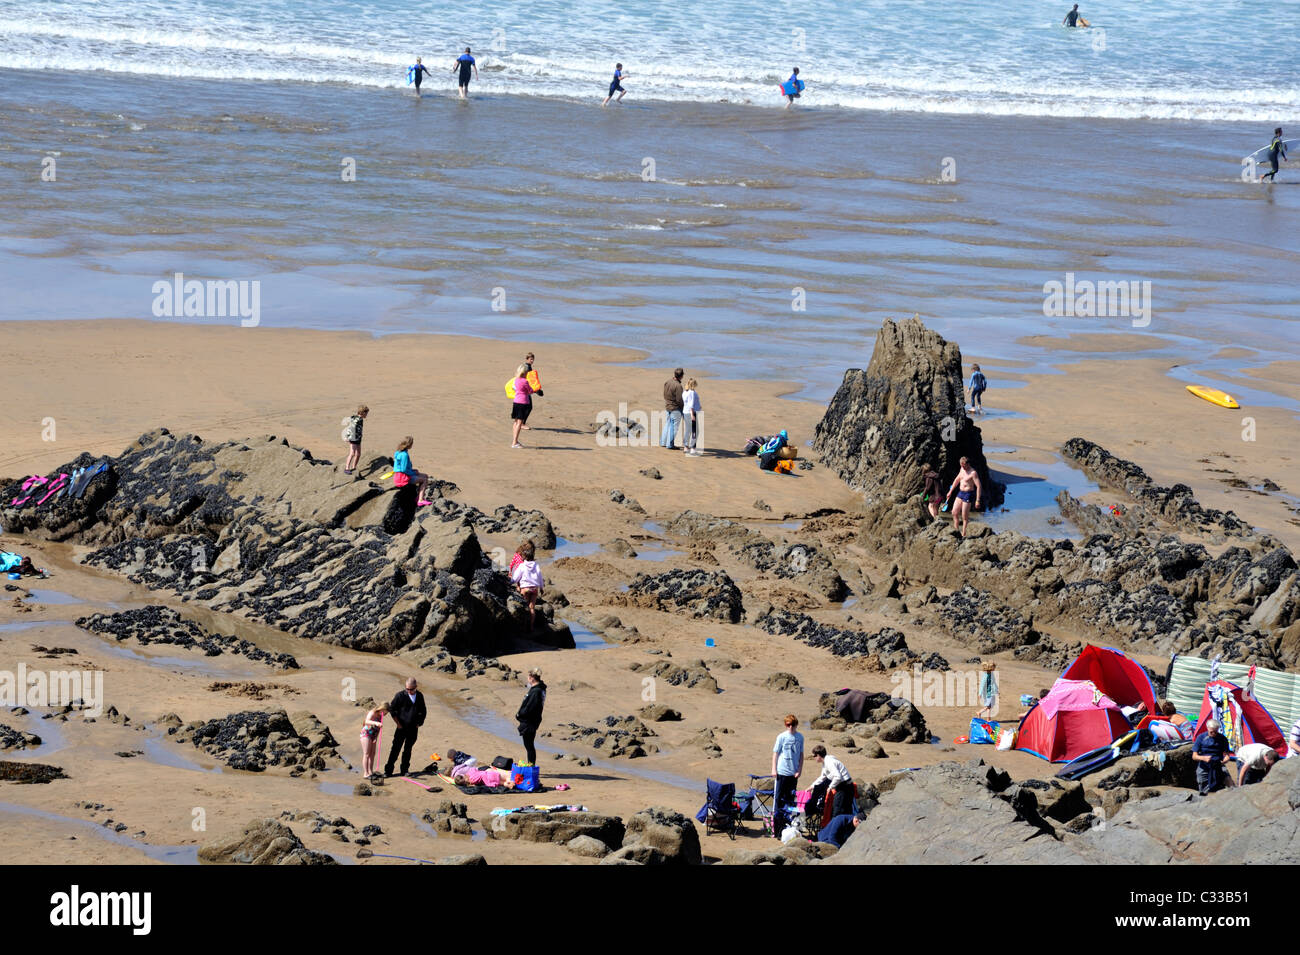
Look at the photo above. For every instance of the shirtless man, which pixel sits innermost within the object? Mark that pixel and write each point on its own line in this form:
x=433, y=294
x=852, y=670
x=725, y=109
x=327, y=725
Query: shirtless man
x=966, y=483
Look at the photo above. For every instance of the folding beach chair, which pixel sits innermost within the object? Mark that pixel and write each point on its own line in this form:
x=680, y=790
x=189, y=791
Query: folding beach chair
x=762, y=800
x=720, y=812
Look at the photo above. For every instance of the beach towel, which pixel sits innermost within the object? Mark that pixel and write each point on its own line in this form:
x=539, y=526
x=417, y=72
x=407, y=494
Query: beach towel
x=9, y=560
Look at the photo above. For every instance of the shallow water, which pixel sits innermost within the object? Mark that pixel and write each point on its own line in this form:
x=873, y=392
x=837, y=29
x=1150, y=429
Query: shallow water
x=585, y=639
x=158, y=750
x=1030, y=499
x=177, y=855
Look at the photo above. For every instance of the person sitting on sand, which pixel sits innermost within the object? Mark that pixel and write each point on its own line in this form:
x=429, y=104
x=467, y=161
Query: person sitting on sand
x=370, y=731
x=1256, y=760
x=1210, y=752
x=837, y=831
x=352, y=435
x=1170, y=712
x=522, y=404
x=529, y=716
x=966, y=484
x=527, y=576
x=404, y=472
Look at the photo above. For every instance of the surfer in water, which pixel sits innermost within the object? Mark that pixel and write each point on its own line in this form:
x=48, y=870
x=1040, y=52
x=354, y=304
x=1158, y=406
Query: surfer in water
x=1276, y=151
x=616, y=86
x=1075, y=19
x=792, y=83
x=417, y=74
x=465, y=63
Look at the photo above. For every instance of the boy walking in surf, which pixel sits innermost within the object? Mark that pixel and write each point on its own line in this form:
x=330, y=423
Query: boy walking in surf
x=1275, y=151
x=616, y=86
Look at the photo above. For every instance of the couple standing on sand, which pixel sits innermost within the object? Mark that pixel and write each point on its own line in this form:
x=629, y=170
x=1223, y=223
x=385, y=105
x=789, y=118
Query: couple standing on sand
x=966, y=484
x=464, y=64
x=683, y=407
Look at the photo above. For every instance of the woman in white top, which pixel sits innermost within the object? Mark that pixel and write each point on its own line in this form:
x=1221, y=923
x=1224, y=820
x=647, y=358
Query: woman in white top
x=691, y=416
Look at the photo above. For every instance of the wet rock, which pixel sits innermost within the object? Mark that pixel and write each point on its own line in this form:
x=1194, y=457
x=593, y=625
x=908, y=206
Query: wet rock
x=976, y=619
x=702, y=594
x=618, y=497
x=465, y=859
x=886, y=718
x=156, y=624
x=255, y=740
x=11, y=738
x=610, y=742
x=620, y=548
x=13, y=771
x=561, y=827
x=783, y=683
x=888, y=646
x=588, y=847
x=652, y=473
x=659, y=713
x=263, y=842
x=692, y=676
x=659, y=836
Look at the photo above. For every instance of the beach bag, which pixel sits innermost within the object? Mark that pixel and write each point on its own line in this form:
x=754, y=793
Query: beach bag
x=353, y=432
x=503, y=762
x=983, y=731
x=767, y=462
x=1006, y=738
x=527, y=779
x=753, y=444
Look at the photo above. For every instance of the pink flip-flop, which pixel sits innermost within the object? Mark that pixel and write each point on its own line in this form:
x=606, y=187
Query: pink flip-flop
x=561, y=787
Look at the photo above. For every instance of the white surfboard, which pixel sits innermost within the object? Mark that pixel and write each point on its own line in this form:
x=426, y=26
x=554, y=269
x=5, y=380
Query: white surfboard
x=1260, y=156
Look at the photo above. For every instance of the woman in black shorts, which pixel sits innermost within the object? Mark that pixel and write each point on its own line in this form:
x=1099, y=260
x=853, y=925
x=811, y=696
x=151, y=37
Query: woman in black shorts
x=523, y=402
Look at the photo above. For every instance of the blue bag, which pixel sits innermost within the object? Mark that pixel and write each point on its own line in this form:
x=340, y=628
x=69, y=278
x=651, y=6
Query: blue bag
x=527, y=779
x=983, y=731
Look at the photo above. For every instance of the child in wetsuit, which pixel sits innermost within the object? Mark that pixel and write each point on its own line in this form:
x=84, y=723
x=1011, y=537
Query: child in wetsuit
x=616, y=86
x=1275, y=151
x=417, y=74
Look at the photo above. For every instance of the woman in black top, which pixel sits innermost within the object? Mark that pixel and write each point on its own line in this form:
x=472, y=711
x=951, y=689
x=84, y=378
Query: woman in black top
x=530, y=713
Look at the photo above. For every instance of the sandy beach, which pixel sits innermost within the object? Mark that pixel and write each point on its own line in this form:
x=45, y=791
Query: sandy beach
x=231, y=383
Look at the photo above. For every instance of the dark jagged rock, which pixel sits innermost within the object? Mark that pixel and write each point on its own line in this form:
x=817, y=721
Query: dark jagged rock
x=701, y=593
x=908, y=409
x=11, y=738
x=888, y=644
x=659, y=836
x=157, y=624
x=979, y=621
x=802, y=563
x=609, y=740
x=13, y=771
x=1174, y=504
x=62, y=516
x=694, y=674
x=253, y=740
x=892, y=719
x=263, y=842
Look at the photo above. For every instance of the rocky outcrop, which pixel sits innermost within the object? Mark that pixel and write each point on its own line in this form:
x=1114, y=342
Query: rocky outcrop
x=885, y=718
x=264, y=530
x=14, y=771
x=157, y=624
x=907, y=410
x=658, y=836
x=704, y=594
x=254, y=740
x=801, y=563
x=11, y=738
x=263, y=842
x=887, y=647
x=559, y=827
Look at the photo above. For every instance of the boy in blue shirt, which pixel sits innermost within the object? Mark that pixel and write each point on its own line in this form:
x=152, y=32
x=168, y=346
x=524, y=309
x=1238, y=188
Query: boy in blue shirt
x=616, y=86
x=787, y=765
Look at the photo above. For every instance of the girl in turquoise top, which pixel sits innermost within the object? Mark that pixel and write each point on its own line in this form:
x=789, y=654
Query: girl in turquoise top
x=404, y=473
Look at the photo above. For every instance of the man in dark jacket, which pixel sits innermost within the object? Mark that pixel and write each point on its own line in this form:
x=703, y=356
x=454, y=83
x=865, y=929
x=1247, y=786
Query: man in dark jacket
x=673, y=407
x=530, y=713
x=408, y=712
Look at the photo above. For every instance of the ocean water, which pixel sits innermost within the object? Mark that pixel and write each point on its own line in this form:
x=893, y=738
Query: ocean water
x=947, y=160
x=1154, y=59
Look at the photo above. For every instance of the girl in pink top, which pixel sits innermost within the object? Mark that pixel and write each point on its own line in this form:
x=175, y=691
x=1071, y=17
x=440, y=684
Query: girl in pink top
x=370, y=738
x=527, y=576
x=523, y=402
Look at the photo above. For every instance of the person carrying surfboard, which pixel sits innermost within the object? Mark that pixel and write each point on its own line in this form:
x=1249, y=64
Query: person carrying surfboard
x=616, y=86
x=791, y=88
x=1075, y=19
x=416, y=73
x=1276, y=150
x=465, y=62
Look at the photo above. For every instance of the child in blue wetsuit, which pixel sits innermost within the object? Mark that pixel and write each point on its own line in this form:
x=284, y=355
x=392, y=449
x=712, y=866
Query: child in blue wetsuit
x=417, y=73
x=616, y=86
x=792, y=83
x=978, y=384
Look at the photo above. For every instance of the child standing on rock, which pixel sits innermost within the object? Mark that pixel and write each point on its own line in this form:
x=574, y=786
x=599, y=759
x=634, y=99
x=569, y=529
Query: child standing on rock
x=527, y=576
x=352, y=435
